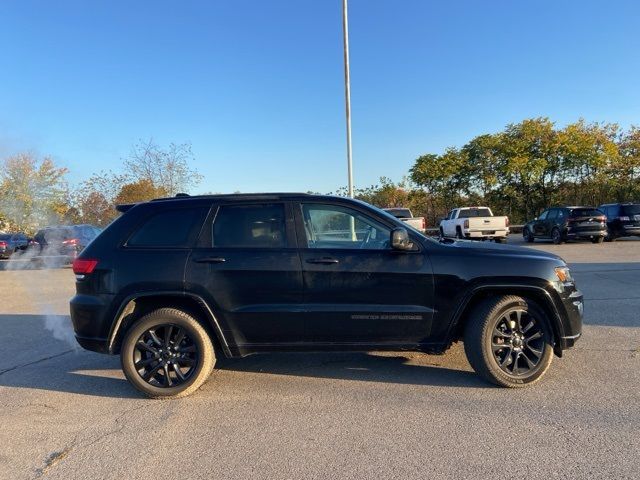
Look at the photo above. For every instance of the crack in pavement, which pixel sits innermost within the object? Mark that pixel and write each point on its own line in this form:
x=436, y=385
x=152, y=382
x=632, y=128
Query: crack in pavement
x=56, y=457
x=2, y=372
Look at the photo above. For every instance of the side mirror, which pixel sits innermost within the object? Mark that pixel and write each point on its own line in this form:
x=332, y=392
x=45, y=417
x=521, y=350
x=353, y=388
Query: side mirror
x=400, y=239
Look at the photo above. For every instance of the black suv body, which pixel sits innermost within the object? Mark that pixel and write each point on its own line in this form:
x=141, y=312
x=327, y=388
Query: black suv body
x=623, y=219
x=567, y=223
x=173, y=283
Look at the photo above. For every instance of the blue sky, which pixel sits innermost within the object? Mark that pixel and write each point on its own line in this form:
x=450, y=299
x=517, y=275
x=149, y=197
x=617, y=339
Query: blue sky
x=256, y=85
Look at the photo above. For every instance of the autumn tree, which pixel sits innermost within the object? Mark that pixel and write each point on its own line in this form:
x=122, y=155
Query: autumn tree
x=33, y=192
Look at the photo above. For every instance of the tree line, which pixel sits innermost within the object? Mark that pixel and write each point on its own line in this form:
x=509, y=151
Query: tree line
x=520, y=171
x=34, y=191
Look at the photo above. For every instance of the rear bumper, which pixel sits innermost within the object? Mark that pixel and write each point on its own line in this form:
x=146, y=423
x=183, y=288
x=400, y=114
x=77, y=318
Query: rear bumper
x=586, y=234
x=473, y=233
x=89, y=315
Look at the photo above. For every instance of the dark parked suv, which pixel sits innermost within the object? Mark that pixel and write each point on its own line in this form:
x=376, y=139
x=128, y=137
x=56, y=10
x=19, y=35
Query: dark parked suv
x=173, y=284
x=567, y=223
x=623, y=220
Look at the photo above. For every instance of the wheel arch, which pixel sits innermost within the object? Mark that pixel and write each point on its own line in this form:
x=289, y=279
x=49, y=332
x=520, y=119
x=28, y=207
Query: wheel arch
x=139, y=304
x=539, y=295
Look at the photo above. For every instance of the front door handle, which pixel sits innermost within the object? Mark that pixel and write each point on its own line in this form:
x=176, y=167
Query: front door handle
x=324, y=260
x=211, y=260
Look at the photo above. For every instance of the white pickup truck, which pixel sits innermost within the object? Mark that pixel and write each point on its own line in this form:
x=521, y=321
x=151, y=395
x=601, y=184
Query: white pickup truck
x=405, y=215
x=477, y=223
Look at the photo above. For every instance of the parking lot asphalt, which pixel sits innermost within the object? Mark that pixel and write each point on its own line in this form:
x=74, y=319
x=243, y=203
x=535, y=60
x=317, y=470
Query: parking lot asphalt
x=66, y=413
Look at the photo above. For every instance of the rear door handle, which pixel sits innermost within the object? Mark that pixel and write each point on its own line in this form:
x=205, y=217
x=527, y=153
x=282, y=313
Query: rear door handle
x=324, y=261
x=211, y=260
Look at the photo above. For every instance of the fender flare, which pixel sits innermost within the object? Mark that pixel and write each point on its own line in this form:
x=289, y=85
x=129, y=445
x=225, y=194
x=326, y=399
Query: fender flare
x=549, y=304
x=121, y=313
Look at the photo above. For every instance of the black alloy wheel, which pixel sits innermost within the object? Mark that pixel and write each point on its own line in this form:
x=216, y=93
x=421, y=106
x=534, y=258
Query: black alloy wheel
x=556, y=236
x=509, y=341
x=518, y=342
x=165, y=356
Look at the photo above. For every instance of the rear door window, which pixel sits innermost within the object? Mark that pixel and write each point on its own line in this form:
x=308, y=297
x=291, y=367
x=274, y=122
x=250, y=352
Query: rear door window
x=250, y=226
x=552, y=214
x=170, y=228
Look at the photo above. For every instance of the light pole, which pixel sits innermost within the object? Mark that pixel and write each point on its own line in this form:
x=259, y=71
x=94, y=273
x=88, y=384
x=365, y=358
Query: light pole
x=347, y=92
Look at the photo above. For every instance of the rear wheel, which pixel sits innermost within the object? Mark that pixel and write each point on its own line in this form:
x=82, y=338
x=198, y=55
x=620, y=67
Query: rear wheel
x=556, y=236
x=500, y=240
x=459, y=233
x=508, y=341
x=167, y=354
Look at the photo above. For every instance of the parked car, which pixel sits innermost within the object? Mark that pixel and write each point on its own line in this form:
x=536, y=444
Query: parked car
x=476, y=223
x=173, y=284
x=623, y=220
x=405, y=215
x=61, y=243
x=567, y=223
x=11, y=243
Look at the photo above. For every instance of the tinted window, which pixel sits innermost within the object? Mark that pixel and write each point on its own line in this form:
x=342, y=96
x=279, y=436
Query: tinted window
x=552, y=214
x=53, y=235
x=543, y=215
x=630, y=209
x=253, y=226
x=474, y=212
x=333, y=226
x=562, y=213
x=585, y=212
x=5, y=237
x=171, y=228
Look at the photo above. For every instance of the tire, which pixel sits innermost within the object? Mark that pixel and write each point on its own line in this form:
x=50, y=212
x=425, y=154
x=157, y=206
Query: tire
x=481, y=340
x=500, y=240
x=527, y=235
x=556, y=236
x=193, y=357
x=441, y=233
x=597, y=240
x=459, y=233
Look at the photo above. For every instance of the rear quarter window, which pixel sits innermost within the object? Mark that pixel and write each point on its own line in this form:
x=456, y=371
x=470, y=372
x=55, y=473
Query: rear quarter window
x=169, y=228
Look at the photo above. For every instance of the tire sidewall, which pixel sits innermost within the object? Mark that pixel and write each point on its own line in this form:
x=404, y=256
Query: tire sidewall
x=157, y=318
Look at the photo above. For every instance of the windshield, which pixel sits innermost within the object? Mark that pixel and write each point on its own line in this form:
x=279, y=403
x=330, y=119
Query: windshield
x=631, y=209
x=474, y=212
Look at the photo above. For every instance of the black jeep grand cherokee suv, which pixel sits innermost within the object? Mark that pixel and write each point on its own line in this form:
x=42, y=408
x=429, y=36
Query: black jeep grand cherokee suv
x=174, y=283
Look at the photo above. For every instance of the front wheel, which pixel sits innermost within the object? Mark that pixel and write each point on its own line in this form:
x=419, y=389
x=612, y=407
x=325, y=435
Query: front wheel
x=167, y=354
x=508, y=341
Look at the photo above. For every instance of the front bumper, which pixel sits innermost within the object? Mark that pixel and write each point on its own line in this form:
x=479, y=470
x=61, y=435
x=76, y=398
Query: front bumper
x=571, y=310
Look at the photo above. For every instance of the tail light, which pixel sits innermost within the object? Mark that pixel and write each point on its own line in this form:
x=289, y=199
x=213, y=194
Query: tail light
x=601, y=218
x=506, y=221
x=424, y=224
x=3, y=244
x=624, y=219
x=466, y=223
x=84, y=266
x=72, y=242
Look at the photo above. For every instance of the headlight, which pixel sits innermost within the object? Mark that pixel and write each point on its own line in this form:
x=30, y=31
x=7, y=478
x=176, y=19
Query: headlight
x=563, y=274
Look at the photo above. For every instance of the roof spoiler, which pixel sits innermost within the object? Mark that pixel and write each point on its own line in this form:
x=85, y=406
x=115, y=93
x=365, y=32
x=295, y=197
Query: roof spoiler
x=124, y=207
